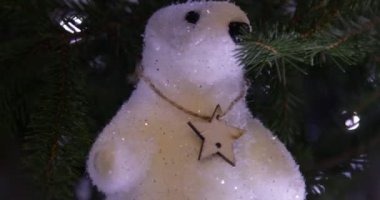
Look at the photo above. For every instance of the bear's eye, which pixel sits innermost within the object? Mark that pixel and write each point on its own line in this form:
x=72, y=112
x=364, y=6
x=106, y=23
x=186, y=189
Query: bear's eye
x=192, y=17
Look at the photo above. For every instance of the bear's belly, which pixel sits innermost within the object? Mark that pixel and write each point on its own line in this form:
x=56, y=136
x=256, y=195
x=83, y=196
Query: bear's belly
x=175, y=173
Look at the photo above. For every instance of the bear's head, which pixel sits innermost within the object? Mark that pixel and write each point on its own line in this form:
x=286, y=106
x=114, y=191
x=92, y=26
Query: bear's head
x=194, y=42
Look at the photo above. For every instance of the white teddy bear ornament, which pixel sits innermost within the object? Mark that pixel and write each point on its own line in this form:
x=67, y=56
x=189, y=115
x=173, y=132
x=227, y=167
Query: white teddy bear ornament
x=186, y=131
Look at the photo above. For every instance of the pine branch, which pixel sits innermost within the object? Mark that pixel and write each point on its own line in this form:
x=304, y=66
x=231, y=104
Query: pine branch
x=278, y=105
x=288, y=127
x=57, y=142
x=284, y=52
x=346, y=47
x=313, y=16
x=288, y=50
x=274, y=49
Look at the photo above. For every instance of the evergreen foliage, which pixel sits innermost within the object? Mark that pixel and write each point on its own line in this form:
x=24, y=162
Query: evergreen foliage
x=65, y=67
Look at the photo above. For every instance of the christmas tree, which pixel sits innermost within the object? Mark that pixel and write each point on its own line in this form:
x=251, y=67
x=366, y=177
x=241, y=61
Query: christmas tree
x=66, y=66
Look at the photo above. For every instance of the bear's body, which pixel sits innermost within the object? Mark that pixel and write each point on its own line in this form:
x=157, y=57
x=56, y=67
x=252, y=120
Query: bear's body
x=148, y=151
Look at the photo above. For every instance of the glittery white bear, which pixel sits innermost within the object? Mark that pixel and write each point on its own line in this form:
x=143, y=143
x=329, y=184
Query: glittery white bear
x=148, y=151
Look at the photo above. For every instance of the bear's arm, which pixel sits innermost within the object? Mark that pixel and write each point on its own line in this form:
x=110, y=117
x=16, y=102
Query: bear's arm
x=117, y=160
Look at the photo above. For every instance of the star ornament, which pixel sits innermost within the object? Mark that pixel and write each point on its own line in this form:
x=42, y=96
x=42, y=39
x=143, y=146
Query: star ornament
x=217, y=137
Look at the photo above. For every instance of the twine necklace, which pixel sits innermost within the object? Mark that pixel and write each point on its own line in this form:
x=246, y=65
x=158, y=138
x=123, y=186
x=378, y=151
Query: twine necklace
x=216, y=135
x=150, y=83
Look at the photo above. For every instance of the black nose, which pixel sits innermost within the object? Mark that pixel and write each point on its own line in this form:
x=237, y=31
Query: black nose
x=237, y=29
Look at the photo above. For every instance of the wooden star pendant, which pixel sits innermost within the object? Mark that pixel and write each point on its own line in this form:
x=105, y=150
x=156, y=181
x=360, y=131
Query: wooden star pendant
x=217, y=137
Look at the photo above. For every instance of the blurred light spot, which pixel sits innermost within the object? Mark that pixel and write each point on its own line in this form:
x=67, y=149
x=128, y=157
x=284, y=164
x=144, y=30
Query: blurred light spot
x=318, y=178
x=358, y=164
x=77, y=20
x=75, y=40
x=353, y=123
x=76, y=29
x=318, y=189
x=347, y=174
x=71, y=25
x=76, y=3
x=67, y=28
